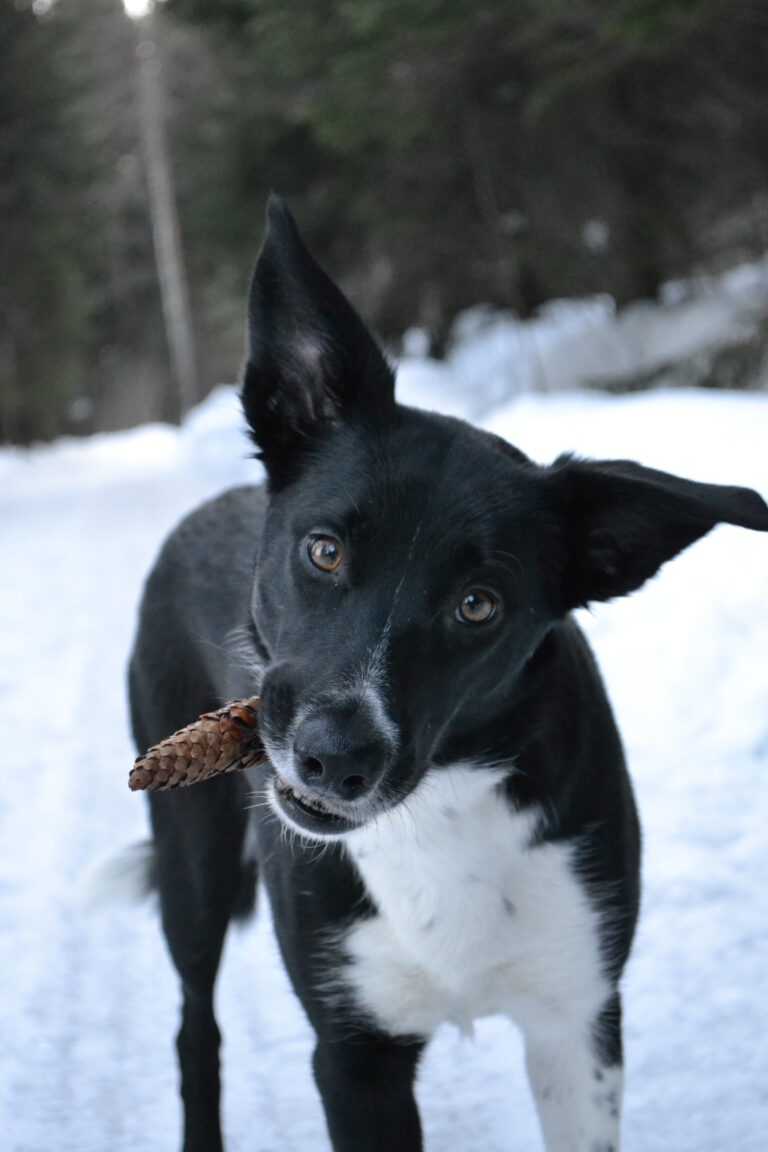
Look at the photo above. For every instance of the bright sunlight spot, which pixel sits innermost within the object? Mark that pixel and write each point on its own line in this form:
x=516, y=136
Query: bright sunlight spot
x=138, y=8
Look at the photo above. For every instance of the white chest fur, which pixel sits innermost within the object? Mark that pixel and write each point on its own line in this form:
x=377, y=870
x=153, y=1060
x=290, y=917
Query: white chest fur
x=474, y=917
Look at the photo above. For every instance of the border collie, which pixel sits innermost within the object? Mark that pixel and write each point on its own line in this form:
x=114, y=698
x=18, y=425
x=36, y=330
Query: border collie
x=434, y=718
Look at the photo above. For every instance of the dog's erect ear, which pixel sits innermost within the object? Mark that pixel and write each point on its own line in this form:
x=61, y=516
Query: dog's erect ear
x=620, y=522
x=312, y=362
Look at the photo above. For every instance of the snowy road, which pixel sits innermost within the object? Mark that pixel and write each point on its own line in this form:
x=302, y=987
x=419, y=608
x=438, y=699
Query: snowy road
x=88, y=1002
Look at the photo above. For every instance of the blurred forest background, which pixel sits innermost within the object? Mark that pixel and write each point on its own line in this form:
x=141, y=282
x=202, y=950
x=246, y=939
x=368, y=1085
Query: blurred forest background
x=437, y=153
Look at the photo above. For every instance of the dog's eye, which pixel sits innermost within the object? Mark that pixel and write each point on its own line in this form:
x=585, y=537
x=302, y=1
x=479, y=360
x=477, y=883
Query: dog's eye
x=325, y=553
x=476, y=607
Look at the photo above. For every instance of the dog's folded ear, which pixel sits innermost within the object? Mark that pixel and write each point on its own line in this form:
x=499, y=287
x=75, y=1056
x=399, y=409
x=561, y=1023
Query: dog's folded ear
x=619, y=522
x=312, y=362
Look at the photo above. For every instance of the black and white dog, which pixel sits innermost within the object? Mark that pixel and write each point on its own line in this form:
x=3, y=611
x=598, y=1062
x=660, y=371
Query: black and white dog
x=434, y=718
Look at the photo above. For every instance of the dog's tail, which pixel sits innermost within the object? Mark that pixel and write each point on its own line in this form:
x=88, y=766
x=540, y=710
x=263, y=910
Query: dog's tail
x=119, y=878
x=129, y=876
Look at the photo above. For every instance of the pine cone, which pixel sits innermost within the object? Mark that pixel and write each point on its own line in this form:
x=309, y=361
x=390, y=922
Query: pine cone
x=221, y=741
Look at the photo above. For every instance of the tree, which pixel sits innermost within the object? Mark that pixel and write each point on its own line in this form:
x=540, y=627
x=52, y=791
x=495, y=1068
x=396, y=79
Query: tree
x=437, y=154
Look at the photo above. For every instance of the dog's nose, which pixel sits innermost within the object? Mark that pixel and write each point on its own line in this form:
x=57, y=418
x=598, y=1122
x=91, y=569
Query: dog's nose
x=340, y=757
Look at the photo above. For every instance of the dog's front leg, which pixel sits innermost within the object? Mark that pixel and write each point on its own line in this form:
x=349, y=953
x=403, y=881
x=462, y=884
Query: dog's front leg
x=576, y=1074
x=366, y=1084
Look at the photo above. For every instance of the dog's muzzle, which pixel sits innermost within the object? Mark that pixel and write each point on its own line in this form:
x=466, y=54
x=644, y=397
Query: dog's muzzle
x=328, y=785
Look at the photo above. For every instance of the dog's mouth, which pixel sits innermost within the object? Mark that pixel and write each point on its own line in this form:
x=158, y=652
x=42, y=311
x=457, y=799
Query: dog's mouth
x=310, y=812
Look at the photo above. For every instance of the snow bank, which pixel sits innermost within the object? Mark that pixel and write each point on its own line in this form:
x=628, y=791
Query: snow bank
x=576, y=344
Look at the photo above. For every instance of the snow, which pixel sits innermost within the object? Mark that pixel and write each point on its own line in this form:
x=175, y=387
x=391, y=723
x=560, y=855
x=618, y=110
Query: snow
x=88, y=1002
x=574, y=344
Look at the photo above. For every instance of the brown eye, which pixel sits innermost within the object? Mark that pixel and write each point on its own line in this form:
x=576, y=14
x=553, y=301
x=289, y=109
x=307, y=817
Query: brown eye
x=325, y=553
x=477, y=607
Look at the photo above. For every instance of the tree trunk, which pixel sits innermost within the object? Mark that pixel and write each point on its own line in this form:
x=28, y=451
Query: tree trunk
x=166, y=233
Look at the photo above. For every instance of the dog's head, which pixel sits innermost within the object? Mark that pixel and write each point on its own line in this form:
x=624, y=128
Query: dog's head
x=412, y=565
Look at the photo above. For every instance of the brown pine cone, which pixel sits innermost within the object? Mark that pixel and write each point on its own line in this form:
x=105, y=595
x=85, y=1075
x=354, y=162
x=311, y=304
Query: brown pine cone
x=221, y=741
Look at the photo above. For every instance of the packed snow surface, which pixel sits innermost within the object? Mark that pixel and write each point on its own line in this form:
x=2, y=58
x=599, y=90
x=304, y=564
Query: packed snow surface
x=88, y=1000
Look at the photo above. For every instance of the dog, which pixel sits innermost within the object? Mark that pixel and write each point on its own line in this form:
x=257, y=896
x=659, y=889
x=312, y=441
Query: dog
x=448, y=828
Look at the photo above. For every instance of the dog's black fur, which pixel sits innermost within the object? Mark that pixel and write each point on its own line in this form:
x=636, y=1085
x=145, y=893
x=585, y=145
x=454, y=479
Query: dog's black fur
x=423, y=511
